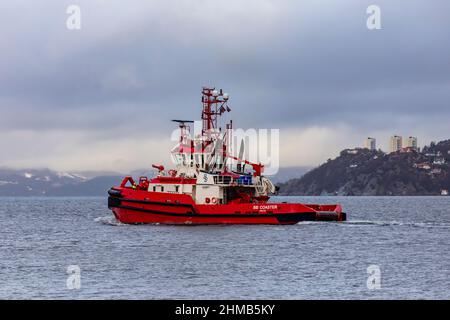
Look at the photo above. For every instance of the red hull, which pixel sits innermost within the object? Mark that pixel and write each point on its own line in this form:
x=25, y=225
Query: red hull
x=137, y=206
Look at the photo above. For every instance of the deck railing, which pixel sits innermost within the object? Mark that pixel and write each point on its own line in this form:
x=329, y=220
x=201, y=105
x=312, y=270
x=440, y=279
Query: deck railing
x=227, y=180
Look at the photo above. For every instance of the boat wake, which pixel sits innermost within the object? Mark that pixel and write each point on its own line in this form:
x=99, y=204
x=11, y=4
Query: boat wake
x=310, y=222
x=109, y=220
x=396, y=223
x=112, y=221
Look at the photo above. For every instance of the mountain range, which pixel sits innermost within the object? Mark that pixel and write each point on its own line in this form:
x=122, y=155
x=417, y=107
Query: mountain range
x=356, y=171
x=46, y=182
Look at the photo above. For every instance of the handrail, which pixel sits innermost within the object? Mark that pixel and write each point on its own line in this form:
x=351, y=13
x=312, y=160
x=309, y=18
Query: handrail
x=227, y=180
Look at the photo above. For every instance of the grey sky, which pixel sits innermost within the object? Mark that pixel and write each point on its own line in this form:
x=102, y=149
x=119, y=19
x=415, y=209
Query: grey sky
x=102, y=97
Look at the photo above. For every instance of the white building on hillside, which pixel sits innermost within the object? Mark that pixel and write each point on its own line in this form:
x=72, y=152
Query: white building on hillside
x=395, y=144
x=411, y=143
x=370, y=143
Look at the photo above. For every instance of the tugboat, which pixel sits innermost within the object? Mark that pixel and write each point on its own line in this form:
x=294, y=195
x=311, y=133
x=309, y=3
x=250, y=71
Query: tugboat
x=205, y=188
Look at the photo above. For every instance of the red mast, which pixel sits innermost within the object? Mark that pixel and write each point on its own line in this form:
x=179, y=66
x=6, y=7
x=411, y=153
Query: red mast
x=214, y=104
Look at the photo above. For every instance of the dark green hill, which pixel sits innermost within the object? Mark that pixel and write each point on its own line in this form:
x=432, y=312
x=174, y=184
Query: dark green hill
x=366, y=172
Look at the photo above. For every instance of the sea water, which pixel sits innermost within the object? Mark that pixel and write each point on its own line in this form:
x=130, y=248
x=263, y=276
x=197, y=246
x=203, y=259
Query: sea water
x=73, y=248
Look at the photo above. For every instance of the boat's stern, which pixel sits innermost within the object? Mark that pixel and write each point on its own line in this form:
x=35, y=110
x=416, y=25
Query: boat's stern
x=328, y=212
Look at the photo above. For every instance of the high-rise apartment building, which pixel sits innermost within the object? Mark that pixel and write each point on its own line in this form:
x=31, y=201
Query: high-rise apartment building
x=370, y=143
x=412, y=143
x=395, y=144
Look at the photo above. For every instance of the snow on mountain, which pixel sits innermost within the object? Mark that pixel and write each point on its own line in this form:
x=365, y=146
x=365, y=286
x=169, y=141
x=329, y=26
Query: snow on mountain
x=70, y=175
x=45, y=182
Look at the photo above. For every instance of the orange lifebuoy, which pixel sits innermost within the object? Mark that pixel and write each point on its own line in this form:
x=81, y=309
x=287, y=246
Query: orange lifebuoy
x=214, y=200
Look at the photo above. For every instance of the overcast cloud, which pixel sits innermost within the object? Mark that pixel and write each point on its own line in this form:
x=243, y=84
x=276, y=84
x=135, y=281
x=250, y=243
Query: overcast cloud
x=102, y=97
